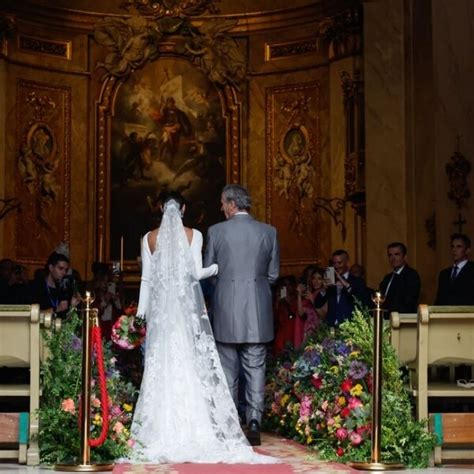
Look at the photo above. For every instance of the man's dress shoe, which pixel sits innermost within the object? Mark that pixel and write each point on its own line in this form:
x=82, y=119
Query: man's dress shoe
x=253, y=433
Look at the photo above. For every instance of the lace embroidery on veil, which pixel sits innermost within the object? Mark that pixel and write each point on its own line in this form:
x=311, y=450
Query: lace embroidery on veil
x=185, y=412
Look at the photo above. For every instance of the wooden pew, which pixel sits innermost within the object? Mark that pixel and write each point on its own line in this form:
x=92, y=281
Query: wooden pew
x=445, y=336
x=403, y=335
x=21, y=347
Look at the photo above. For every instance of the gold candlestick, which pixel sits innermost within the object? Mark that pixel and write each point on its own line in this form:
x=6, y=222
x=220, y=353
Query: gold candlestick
x=85, y=455
x=101, y=246
x=375, y=464
x=121, y=253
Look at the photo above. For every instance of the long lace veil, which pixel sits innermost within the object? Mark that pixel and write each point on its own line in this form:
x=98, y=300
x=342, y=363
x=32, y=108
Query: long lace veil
x=178, y=310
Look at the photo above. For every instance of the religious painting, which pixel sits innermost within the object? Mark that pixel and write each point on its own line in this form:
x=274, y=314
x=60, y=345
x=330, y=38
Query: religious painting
x=168, y=134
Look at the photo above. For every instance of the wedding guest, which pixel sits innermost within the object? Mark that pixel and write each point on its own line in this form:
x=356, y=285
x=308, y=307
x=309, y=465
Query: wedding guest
x=308, y=317
x=19, y=286
x=341, y=295
x=285, y=311
x=400, y=287
x=456, y=283
x=52, y=290
x=107, y=300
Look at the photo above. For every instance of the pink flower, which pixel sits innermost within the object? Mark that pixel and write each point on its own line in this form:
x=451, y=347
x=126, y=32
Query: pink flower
x=330, y=422
x=131, y=443
x=68, y=406
x=341, y=434
x=95, y=402
x=324, y=405
x=305, y=407
x=116, y=410
x=354, y=403
x=118, y=427
x=355, y=438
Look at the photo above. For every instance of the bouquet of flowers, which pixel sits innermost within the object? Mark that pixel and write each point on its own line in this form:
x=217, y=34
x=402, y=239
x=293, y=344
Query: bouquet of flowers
x=321, y=397
x=59, y=434
x=129, y=330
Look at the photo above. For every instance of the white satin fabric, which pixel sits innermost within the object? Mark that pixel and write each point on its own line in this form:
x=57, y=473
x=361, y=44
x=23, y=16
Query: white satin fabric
x=184, y=412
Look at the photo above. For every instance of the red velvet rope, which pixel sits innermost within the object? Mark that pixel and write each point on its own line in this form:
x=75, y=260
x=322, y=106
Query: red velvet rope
x=104, y=399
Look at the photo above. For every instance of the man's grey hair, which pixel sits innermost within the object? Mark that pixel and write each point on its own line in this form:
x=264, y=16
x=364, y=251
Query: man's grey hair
x=238, y=194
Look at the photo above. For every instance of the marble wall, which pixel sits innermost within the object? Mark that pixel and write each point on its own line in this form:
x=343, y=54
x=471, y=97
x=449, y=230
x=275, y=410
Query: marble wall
x=419, y=99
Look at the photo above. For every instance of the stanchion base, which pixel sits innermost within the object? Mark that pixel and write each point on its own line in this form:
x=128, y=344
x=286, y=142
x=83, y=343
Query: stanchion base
x=375, y=466
x=83, y=467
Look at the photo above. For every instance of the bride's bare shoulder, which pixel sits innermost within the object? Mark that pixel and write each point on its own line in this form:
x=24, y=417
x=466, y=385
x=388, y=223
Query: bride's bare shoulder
x=189, y=234
x=152, y=235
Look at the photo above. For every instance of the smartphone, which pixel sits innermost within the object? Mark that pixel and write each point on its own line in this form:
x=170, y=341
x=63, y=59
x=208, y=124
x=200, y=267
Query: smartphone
x=283, y=292
x=329, y=276
x=111, y=287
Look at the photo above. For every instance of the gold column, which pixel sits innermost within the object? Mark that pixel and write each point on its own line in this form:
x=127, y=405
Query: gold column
x=85, y=465
x=375, y=464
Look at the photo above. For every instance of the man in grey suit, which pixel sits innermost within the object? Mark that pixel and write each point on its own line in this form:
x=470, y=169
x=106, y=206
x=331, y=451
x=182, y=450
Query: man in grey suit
x=248, y=257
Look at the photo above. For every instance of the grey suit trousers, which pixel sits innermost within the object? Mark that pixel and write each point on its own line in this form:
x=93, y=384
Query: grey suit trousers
x=252, y=357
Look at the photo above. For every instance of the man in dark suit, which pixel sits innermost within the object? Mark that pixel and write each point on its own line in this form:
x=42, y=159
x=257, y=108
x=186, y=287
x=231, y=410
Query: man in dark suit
x=401, y=287
x=340, y=297
x=456, y=283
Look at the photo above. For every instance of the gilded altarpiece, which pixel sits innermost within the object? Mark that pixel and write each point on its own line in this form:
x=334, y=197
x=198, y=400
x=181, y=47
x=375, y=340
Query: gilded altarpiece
x=42, y=169
x=293, y=170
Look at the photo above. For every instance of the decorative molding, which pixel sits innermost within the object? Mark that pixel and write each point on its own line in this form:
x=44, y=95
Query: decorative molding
x=42, y=179
x=343, y=33
x=9, y=205
x=47, y=47
x=458, y=170
x=301, y=47
x=7, y=30
x=336, y=208
x=133, y=42
x=171, y=8
x=293, y=168
x=354, y=161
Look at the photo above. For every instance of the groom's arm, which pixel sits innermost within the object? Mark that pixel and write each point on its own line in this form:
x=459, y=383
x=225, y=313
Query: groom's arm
x=274, y=265
x=209, y=254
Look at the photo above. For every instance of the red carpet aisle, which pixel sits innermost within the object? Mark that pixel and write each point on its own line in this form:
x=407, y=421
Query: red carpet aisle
x=293, y=456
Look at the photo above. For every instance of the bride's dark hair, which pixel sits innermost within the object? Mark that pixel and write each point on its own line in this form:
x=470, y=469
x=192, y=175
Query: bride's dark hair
x=166, y=196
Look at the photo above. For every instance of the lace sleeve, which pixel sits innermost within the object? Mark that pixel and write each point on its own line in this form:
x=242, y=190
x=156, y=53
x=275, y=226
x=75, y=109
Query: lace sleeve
x=145, y=281
x=206, y=272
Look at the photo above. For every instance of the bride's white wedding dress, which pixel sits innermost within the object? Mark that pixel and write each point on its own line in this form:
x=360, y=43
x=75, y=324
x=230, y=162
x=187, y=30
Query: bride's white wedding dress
x=184, y=412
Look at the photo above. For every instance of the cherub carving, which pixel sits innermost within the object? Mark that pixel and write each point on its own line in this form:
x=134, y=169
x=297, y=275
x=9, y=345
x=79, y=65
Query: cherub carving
x=131, y=42
x=220, y=57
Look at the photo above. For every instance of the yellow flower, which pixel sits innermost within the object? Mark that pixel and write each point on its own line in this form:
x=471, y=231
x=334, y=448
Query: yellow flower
x=296, y=408
x=341, y=401
x=309, y=440
x=356, y=390
x=127, y=407
x=354, y=353
x=335, y=369
x=284, y=400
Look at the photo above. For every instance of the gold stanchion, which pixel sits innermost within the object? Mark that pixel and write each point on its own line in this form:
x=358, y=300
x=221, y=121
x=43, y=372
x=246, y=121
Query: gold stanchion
x=375, y=464
x=85, y=465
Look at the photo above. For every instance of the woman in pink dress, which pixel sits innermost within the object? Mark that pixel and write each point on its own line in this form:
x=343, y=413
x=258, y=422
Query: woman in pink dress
x=308, y=318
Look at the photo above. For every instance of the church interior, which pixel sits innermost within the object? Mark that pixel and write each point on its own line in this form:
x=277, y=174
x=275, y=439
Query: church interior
x=347, y=120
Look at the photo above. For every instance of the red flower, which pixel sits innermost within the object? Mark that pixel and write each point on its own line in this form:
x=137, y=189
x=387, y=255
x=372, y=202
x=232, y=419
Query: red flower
x=345, y=412
x=340, y=451
x=346, y=385
x=316, y=382
x=369, y=382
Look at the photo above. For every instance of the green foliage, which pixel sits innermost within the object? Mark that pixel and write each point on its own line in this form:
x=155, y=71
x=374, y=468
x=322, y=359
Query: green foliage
x=59, y=435
x=321, y=397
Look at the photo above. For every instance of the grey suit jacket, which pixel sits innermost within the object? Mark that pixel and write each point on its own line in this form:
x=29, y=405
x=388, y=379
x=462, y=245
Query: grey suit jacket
x=248, y=256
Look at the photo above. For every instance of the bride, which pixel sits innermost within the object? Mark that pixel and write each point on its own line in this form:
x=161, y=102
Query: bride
x=184, y=412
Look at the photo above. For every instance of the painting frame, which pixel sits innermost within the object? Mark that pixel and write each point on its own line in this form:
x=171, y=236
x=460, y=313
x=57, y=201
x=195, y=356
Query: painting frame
x=231, y=112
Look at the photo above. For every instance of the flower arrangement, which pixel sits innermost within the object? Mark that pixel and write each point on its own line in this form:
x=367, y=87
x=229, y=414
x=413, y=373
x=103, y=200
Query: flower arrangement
x=59, y=435
x=129, y=331
x=322, y=397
